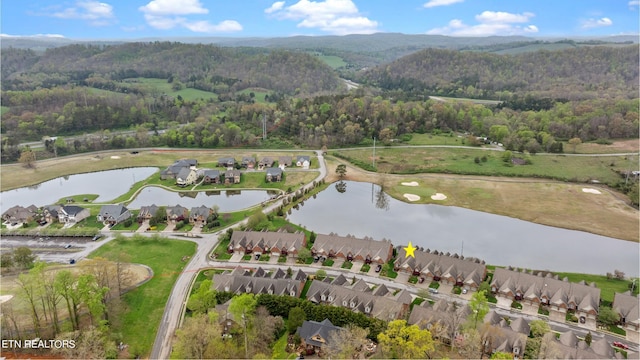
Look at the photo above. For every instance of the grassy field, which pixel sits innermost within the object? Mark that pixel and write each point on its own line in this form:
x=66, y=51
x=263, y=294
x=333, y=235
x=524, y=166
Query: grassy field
x=333, y=61
x=461, y=161
x=163, y=86
x=475, y=101
x=259, y=94
x=607, y=286
x=429, y=139
x=541, y=201
x=3, y=109
x=146, y=303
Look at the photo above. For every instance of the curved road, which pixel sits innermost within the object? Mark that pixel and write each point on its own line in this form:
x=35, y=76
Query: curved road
x=177, y=299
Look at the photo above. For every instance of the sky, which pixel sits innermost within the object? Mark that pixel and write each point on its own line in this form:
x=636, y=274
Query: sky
x=131, y=19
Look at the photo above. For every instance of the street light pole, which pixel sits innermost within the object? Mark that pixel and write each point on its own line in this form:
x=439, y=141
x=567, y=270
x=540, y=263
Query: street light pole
x=246, y=349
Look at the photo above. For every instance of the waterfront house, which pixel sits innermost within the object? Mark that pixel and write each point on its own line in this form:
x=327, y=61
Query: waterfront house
x=627, y=306
x=273, y=174
x=211, y=177
x=351, y=248
x=267, y=242
x=113, y=214
x=467, y=273
x=71, y=214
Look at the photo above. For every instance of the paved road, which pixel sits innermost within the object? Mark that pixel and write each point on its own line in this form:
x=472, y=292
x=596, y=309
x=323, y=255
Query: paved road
x=174, y=308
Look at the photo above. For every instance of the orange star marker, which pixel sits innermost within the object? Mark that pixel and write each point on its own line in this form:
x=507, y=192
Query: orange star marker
x=409, y=250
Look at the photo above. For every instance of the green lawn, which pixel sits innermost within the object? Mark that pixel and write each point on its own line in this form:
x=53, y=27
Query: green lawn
x=461, y=161
x=145, y=305
x=430, y=139
x=280, y=349
x=333, y=61
x=607, y=287
x=78, y=199
x=259, y=94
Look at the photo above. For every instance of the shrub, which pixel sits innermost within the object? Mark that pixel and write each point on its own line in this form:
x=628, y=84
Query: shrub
x=516, y=305
x=457, y=290
x=127, y=223
x=179, y=225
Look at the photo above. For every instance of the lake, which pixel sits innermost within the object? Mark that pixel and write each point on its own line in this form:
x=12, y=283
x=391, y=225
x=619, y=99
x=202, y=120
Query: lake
x=108, y=185
x=363, y=210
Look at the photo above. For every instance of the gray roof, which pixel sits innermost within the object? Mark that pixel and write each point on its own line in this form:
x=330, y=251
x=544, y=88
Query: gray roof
x=468, y=271
x=628, y=307
x=376, y=250
x=176, y=210
x=358, y=299
x=112, y=210
x=240, y=281
x=200, y=211
x=267, y=239
x=317, y=333
x=568, y=346
x=212, y=173
x=274, y=171
x=284, y=160
x=148, y=210
x=302, y=158
x=536, y=287
x=183, y=173
x=72, y=209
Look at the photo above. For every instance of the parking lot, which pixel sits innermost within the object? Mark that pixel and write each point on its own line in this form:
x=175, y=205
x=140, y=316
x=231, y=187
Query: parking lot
x=53, y=249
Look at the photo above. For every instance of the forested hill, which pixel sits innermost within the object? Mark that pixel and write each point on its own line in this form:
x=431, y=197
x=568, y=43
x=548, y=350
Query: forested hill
x=578, y=73
x=199, y=66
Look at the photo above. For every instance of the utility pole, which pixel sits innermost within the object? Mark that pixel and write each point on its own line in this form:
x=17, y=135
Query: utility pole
x=246, y=349
x=264, y=127
x=374, y=152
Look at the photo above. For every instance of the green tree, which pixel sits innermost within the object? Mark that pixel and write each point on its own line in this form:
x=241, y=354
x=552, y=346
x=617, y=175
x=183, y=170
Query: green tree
x=303, y=254
x=501, y=355
x=195, y=336
x=588, y=338
x=498, y=133
x=608, y=316
x=296, y=317
x=242, y=308
x=479, y=307
x=574, y=142
x=23, y=257
x=203, y=299
x=506, y=156
x=28, y=158
x=321, y=274
x=6, y=260
x=405, y=342
x=341, y=170
x=539, y=328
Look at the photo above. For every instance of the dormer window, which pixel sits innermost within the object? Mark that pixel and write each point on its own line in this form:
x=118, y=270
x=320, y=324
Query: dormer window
x=292, y=293
x=248, y=289
x=344, y=303
x=270, y=292
x=367, y=309
x=330, y=298
x=353, y=304
x=516, y=350
x=226, y=288
x=323, y=297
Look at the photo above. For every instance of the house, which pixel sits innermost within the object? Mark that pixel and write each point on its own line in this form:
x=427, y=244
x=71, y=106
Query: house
x=186, y=176
x=20, y=215
x=284, y=161
x=227, y=321
x=316, y=336
x=248, y=162
x=274, y=174
x=558, y=296
x=510, y=337
x=382, y=303
x=454, y=270
x=199, y=214
x=50, y=213
x=232, y=177
x=211, y=177
x=351, y=248
x=303, y=161
x=568, y=346
x=240, y=281
x=147, y=212
x=113, y=214
x=276, y=243
x=627, y=306
x=71, y=214
x=226, y=162
x=448, y=315
x=266, y=162
x=171, y=172
x=177, y=213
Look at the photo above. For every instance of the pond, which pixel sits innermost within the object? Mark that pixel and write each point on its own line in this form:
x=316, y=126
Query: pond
x=108, y=185
x=363, y=210
x=227, y=200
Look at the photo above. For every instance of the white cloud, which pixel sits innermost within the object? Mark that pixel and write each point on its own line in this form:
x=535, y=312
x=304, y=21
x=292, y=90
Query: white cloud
x=634, y=3
x=489, y=23
x=173, y=7
x=168, y=14
x=595, y=23
x=35, y=35
x=95, y=12
x=275, y=7
x=207, y=27
x=503, y=17
x=434, y=3
x=339, y=17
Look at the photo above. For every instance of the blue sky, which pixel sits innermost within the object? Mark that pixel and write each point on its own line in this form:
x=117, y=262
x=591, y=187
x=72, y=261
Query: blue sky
x=119, y=19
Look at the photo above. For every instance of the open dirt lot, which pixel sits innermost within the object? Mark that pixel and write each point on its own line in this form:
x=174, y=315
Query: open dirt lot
x=541, y=201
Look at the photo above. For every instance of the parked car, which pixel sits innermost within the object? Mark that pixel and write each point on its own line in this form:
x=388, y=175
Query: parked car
x=464, y=291
x=96, y=237
x=620, y=345
x=420, y=280
x=72, y=261
x=433, y=291
x=257, y=257
x=67, y=246
x=378, y=268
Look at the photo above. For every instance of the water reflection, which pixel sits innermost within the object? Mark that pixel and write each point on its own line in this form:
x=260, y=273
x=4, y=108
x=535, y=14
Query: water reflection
x=341, y=186
x=106, y=184
x=232, y=200
x=382, y=199
x=499, y=240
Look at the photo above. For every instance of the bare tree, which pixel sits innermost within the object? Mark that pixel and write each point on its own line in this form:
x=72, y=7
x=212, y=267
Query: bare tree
x=346, y=343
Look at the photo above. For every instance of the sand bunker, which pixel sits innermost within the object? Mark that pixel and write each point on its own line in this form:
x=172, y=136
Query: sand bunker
x=591, y=191
x=115, y=157
x=5, y=298
x=412, y=197
x=413, y=183
x=438, y=196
